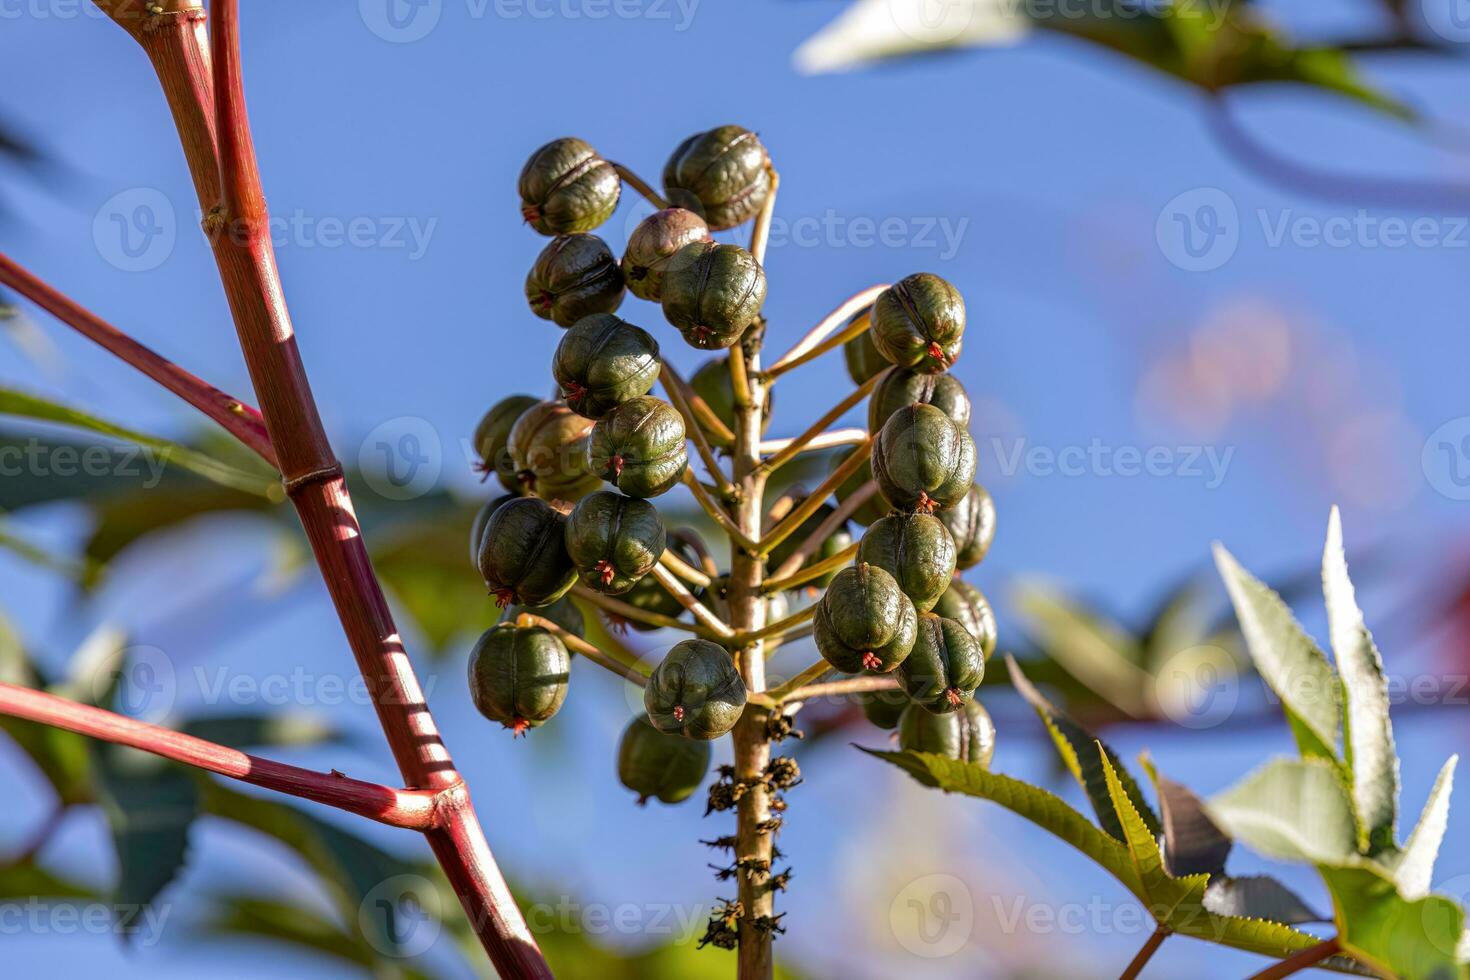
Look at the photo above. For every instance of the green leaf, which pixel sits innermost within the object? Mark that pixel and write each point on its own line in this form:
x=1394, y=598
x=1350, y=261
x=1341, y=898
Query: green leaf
x=247, y=731
x=28, y=406
x=1192, y=842
x=29, y=880
x=1259, y=897
x=1369, y=735
x=1287, y=658
x=1101, y=654
x=1075, y=745
x=1412, y=939
x=150, y=805
x=1291, y=810
x=1414, y=866
x=42, y=558
x=292, y=925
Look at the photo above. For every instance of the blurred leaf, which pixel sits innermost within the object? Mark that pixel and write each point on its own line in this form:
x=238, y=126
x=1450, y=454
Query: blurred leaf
x=1192, y=842
x=60, y=756
x=1414, y=867
x=1079, y=751
x=1291, y=810
x=96, y=667
x=423, y=565
x=1287, y=659
x=1259, y=897
x=29, y=880
x=1371, y=757
x=248, y=731
x=1414, y=940
x=300, y=928
x=27, y=406
x=150, y=805
x=16, y=666
x=40, y=557
x=1101, y=654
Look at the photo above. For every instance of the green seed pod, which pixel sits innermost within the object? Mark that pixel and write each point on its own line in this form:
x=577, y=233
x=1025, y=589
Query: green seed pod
x=695, y=691
x=875, y=507
x=903, y=387
x=967, y=605
x=918, y=323
x=647, y=594
x=922, y=460
x=523, y=555
x=971, y=523
x=712, y=383
x=603, y=361
x=712, y=292
x=639, y=448
x=566, y=187
x=574, y=276
x=668, y=768
x=723, y=174
x=493, y=434
x=614, y=540
x=518, y=675
x=945, y=667
x=916, y=550
x=482, y=518
x=834, y=543
x=967, y=735
x=883, y=708
x=563, y=612
x=548, y=447
x=653, y=244
x=863, y=358
x=864, y=622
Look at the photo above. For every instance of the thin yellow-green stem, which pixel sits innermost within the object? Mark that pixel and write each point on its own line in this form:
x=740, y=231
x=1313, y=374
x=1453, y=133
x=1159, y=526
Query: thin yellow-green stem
x=713, y=425
x=825, y=530
x=576, y=644
x=684, y=570
x=826, y=440
x=812, y=345
x=625, y=611
x=712, y=507
x=641, y=186
x=811, y=674
x=702, y=614
x=801, y=442
x=760, y=235
x=815, y=570
x=815, y=499
x=779, y=627
x=740, y=378
x=848, y=685
x=695, y=432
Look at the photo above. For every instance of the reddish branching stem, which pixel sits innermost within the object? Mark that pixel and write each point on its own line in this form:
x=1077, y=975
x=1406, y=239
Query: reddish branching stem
x=240, y=420
x=396, y=807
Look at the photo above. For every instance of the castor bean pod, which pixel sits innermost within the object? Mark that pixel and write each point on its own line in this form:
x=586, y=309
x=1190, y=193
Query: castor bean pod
x=922, y=459
x=712, y=384
x=518, y=675
x=883, y=708
x=574, y=276
x=967, y=605
x=638, y=447
x=563, y=612
x=971, y=522
x=904, y=387
x=652, y=245
x=523, y=554
x=916, y=550
x=945, y=666
x=967, y=735
x=614, y=540
x=723, y=174
x=835, y=542
x=482, y=518
x=875, y=507
x=695, y=691
x=603, y=361
x=712, y=292
x=864, y=621
x=548, y=447
x=492, y=436
x=863, y=358
x=919, y=322
x=566, y=187
x=668, y=768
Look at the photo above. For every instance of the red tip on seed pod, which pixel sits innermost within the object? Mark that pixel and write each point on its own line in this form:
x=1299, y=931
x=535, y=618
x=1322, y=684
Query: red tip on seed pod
x=702, y=333
x=530, y=213
x=954, y=696
x=573, y=389
x=678, y=712
x=605, y=571
x=642, y=800
x=871, y=661
x=937, y=352
x=518, y=726
x=617, y=465
x=504, y=597
x=925, y=505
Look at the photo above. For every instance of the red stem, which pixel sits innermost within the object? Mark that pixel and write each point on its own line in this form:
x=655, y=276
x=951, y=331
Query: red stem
x=1299, y=961
x=1146, y=953
x=396, y=807
x=240, y=420
x=178, y=44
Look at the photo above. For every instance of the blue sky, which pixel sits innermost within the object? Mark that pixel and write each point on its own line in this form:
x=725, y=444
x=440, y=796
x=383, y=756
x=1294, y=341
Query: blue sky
x=1044, y=181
